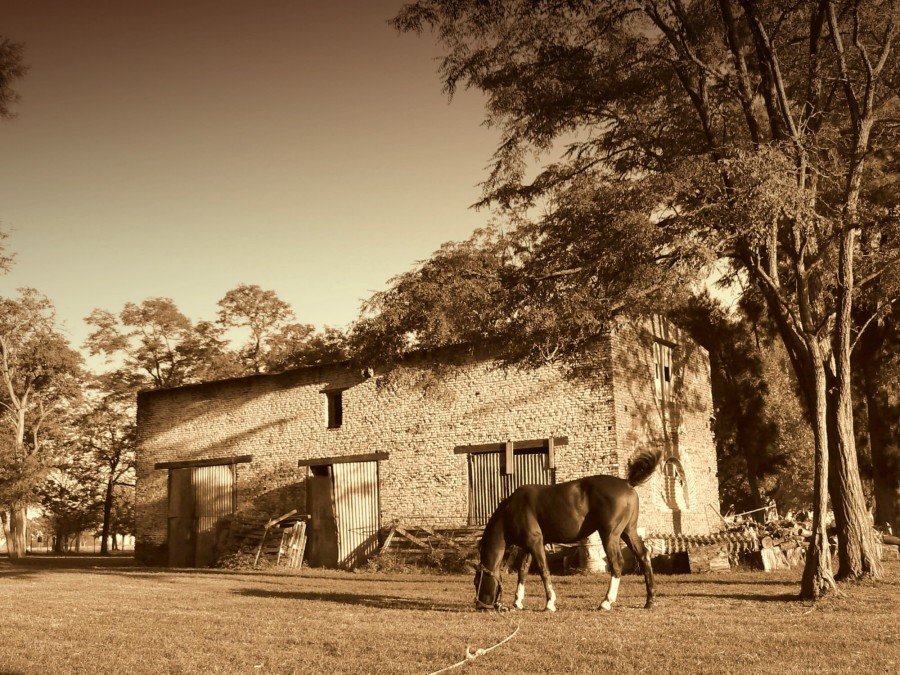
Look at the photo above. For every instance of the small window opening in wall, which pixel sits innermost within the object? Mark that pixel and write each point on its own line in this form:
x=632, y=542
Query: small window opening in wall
x=335, y=409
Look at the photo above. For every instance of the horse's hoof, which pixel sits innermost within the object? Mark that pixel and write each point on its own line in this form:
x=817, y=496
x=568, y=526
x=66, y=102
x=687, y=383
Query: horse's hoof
x=605, y=606
x=518, y=606
x=550, y=608
x=649, y=605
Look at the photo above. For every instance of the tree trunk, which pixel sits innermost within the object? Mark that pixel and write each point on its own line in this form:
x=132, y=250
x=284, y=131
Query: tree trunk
x=15, y=535
x=857, y=557
x=856, y=539
x=107, y=517
x=4, y=520
x=817, y=576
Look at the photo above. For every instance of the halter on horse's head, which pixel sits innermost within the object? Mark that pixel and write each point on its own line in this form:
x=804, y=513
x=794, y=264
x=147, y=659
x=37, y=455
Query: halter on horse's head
x=488, y=588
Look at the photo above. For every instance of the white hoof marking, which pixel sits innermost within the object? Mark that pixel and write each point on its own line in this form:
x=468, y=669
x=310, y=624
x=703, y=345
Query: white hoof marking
x=520, y=596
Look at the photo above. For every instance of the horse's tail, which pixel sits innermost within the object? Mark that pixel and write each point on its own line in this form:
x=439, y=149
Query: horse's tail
x=642, y=466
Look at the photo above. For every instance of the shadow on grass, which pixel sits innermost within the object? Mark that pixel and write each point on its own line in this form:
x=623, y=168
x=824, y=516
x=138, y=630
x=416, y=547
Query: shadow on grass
x=749, y=597
x=709, y=581
x=376, y=601
x=39, y=563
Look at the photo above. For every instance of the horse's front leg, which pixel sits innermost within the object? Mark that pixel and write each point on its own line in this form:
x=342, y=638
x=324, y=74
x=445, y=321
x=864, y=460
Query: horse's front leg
x=523, y=562
x=536, y=547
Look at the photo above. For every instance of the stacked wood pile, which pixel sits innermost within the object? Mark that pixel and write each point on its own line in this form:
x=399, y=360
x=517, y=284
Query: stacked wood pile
x=781, y=544
x=677, y=553
x=888, y=545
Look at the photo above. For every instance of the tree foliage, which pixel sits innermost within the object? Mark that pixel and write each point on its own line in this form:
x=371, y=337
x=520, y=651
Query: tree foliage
x=40, y=383
x=152, y=339
x=12, y=68
x=763, y=438
x=154, y=345
x=72, y=498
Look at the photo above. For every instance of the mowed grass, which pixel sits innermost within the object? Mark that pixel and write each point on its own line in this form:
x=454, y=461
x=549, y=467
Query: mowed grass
x=94, y=615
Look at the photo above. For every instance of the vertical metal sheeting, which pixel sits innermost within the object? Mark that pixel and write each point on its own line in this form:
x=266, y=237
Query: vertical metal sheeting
x=529, y=469
x=488, y=486
x=213, y=488
x=356, y=511
x=484, y=486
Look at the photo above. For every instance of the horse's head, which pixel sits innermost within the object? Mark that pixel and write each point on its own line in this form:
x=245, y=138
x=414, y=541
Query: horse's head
x=488, y=588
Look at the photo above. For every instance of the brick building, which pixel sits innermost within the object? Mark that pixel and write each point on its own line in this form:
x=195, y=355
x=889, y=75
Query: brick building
x=436, y=441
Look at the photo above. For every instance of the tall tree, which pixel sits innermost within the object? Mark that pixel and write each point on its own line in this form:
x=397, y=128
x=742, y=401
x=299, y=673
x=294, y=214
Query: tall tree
x=705, y=130
x=106, y=438
x=272, y=340
x=261, y=314
x=40, y=377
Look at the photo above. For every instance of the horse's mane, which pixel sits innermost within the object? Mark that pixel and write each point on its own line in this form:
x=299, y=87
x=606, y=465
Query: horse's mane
x=642, y=465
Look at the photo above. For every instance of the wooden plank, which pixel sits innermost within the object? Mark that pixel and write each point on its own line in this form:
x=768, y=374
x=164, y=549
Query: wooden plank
x=551, y=457
x=280, y=547
x=509, y=467
x=302, y=548
x=533, y=444
x=217, y=461
x=442, y=540
x=344, y=459
x=259, y=550
x=411, y=537
x=277, y=520
x=388, y=539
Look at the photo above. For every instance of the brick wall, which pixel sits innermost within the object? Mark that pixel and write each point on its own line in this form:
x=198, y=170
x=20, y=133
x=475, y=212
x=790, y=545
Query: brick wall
x=682, y=429
x=417, y=414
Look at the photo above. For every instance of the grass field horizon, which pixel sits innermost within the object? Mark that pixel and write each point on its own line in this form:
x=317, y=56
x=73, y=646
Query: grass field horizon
x=86, y=614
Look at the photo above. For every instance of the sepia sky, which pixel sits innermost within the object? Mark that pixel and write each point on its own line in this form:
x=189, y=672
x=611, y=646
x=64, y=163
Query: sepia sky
x=179, y=148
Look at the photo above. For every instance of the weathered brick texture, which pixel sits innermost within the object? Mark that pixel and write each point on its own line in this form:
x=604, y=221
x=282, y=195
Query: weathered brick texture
x=418, y=414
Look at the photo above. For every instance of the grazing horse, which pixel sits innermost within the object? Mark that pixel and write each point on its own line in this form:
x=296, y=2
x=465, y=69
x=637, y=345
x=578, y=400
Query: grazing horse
x=535, y=515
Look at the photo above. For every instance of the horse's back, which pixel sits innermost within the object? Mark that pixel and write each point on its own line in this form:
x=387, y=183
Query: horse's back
x=567, y=512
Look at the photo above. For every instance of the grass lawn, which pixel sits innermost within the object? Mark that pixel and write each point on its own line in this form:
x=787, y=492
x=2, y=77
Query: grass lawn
x=96, y=615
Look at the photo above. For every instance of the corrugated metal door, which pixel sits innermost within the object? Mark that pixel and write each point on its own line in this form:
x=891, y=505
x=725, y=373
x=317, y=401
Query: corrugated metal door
x=199, y=498
x=489, y=484
x=484, y=486
x=356, y=511
x=213, y=488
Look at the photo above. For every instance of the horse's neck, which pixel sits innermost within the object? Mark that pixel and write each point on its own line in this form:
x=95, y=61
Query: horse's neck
x=493, y=544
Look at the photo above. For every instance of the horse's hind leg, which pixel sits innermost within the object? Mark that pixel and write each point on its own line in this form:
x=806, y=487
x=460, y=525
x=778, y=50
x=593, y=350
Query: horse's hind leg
x=535, y=546
x=616, y=562
x=636, y=544
x=523, y=562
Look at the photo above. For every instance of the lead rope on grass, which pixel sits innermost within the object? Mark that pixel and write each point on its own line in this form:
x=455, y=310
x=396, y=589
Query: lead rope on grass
x=472, y=655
